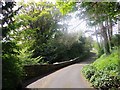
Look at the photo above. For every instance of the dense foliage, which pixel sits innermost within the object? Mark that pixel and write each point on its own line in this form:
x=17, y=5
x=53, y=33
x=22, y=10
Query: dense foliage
x=103, y=16
x=43, y=39
x=66, y=49
x=32, y=34
x=41, y=21
x=104, y=73
x=12, y=69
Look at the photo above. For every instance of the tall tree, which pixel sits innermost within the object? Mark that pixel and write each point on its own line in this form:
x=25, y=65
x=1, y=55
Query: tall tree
x=10, y=62
x=41, y=20
x=99, y=13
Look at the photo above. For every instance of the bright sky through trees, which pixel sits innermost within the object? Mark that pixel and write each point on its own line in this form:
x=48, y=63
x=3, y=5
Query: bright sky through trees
x=75, y=25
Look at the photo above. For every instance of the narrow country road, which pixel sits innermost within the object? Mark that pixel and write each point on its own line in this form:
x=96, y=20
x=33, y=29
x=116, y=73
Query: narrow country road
x=68, y=77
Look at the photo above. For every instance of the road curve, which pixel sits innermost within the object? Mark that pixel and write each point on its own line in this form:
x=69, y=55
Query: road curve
x=68, y=77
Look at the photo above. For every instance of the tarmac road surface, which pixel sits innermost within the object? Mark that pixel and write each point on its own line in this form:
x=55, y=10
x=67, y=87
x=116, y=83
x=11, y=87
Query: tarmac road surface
x=68, y=77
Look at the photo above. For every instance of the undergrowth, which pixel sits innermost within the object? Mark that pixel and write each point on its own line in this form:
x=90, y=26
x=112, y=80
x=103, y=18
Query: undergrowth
x=104, y=73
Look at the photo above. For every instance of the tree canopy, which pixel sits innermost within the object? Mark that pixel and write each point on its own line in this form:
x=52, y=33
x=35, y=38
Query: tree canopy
x=35, y=33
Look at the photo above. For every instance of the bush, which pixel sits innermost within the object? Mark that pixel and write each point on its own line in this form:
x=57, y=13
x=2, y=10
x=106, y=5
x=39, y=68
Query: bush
x=104, y=73
x=105, y=79
x=11, y=66
x=88, y=71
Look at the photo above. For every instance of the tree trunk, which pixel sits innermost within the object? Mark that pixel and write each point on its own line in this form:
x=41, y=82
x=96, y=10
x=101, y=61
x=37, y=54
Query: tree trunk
x=105, y=38
x=111, y=28
x=108, y=33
